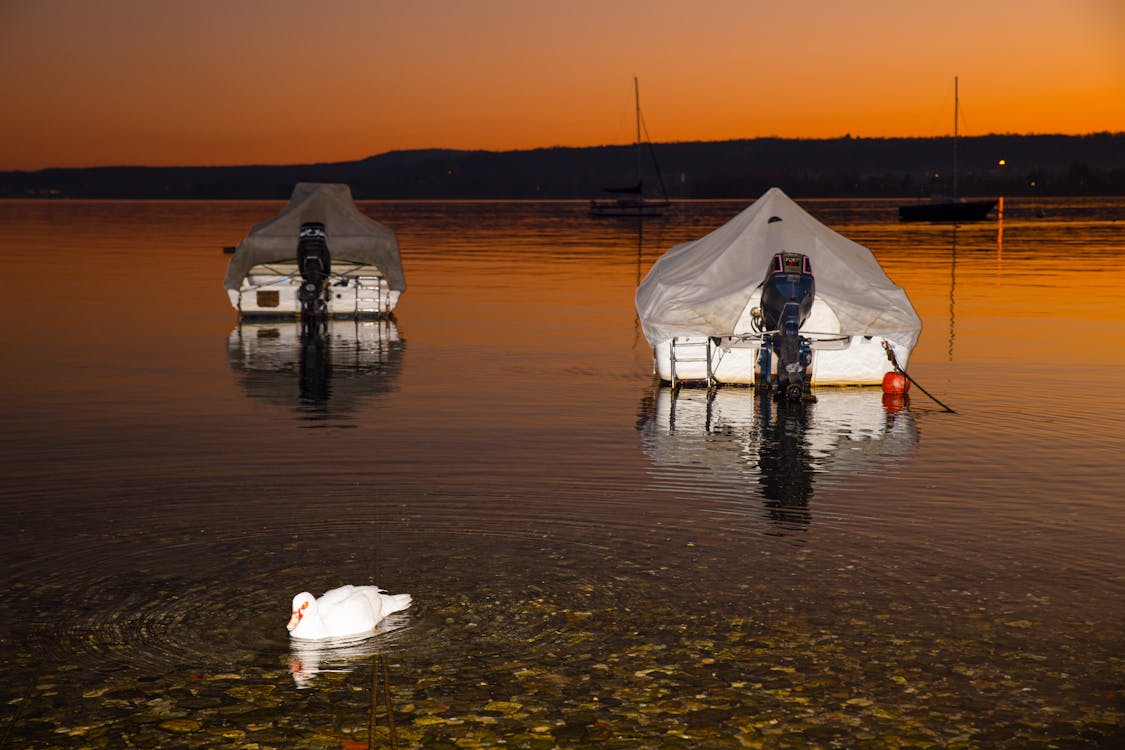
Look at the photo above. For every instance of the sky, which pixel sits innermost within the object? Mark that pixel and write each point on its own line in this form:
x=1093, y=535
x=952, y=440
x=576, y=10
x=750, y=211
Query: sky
x=219, y=82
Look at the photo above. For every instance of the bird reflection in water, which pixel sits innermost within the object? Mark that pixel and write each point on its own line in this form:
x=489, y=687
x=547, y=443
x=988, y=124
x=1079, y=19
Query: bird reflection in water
x=309, y=660
x=737, y=445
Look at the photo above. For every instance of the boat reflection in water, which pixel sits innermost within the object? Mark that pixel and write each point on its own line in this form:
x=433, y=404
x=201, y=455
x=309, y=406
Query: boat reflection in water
x=325, y=371
x=739, y=445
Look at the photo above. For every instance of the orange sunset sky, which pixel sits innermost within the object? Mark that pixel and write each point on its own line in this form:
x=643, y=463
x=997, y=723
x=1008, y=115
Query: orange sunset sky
x=213, y=82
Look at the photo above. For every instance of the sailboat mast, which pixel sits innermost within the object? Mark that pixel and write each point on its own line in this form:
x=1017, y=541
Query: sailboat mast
x=637, y=142
x=956, y=105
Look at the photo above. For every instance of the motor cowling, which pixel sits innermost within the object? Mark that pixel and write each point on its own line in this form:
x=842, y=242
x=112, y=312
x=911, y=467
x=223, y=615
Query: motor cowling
x=787, y=298
x=787, y=292
x=313, y=260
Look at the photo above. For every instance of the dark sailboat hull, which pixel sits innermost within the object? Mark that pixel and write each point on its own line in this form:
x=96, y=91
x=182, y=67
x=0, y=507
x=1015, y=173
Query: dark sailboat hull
x=947, y=211
x=628, y=207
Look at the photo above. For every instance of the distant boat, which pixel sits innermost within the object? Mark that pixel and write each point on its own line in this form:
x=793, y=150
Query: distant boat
x=633, y=201
x=944, y=208
x=947, y=210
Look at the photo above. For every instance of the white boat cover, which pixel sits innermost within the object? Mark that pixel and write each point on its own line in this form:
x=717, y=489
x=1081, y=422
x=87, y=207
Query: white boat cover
x=702, y=287
x=352, y=235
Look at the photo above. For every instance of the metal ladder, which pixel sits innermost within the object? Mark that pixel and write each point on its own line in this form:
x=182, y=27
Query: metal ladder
x=364, y=301
x=675, y=358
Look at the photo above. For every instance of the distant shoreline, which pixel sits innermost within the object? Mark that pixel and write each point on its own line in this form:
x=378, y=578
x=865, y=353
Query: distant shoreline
x=898, y=168
x=890, y=199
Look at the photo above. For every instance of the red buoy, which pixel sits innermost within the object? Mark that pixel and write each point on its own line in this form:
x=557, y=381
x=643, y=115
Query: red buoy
x=895, y=382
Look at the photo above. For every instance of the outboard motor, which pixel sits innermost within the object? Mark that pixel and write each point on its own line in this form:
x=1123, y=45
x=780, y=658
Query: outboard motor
x=315, y=264
x=787, y=298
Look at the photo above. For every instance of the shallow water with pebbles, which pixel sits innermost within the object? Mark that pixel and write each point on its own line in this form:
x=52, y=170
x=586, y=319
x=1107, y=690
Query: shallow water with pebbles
x=594, y=561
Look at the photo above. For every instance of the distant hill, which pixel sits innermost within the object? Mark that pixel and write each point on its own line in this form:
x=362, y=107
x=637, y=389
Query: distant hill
x=893, y=167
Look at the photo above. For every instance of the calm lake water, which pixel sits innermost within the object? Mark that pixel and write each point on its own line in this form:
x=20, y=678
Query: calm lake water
x=593, y=562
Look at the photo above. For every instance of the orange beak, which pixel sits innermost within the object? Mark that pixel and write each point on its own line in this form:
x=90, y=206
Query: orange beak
x=296, y=618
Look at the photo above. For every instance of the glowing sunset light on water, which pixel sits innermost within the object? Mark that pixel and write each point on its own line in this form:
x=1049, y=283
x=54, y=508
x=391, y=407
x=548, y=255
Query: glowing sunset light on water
x=130, y=82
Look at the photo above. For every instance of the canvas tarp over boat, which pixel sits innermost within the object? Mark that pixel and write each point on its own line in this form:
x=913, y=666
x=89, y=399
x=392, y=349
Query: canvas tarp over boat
x=352, y=235
x=702, y=287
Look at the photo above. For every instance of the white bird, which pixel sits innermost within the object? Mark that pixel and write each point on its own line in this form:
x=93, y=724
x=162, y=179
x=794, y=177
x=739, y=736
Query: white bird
x=342, y=612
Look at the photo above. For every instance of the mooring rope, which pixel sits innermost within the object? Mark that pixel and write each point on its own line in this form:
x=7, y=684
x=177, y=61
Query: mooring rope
x=894, y=364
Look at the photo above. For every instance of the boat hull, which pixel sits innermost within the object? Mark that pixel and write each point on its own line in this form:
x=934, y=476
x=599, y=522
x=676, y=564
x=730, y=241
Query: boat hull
x=271, y=292
x=948, y=211
x=627, y=207
x=733, y=360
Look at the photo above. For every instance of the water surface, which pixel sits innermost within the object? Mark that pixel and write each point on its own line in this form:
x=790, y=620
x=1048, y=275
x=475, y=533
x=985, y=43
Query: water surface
x=593, y=562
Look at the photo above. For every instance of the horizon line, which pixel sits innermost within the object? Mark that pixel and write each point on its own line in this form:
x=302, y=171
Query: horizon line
x=844, y=137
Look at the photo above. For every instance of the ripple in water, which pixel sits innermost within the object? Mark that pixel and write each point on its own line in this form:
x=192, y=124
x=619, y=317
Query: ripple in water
x=152, y=605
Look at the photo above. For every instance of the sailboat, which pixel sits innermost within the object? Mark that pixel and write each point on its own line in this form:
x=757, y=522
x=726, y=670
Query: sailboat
x=633, y=201
x=947, y=209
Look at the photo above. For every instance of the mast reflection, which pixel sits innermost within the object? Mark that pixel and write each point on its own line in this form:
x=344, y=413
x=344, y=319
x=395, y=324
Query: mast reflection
x=741, y=448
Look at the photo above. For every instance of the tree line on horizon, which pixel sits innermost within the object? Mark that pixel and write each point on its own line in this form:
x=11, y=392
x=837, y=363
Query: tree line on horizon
x=1010, y=165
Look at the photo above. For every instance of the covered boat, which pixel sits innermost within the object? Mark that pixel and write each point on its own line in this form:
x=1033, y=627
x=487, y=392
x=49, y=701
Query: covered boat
x=774, y=297
x=362, y=269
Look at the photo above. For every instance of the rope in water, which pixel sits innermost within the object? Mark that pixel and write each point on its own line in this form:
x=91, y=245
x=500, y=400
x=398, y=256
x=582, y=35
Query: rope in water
x=899, y=370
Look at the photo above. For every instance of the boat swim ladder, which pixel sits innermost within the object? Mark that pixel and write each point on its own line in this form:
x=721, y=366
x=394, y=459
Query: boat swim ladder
x=691, y=354
x=368, y=296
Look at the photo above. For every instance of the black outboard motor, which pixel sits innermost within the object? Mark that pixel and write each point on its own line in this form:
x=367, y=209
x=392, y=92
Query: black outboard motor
x=787, y=298
x=315, y=264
